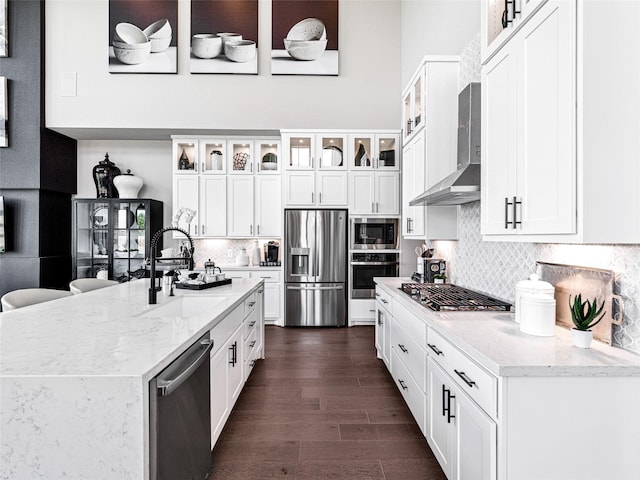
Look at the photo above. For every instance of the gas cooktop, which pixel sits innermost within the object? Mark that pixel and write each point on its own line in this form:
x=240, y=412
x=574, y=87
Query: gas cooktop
x=449, y=297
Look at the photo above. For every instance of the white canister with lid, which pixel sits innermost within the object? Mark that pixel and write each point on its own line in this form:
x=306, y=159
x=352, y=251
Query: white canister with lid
x=538, y=314
x=532, y=286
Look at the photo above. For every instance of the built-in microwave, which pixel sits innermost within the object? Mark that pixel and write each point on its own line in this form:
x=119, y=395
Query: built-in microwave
x=374, y=233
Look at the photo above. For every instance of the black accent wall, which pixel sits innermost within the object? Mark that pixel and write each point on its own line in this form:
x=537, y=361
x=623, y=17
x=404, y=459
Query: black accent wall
x=38, y=169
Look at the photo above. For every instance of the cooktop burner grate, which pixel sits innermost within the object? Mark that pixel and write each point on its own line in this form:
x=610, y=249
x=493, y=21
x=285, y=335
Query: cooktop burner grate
x=446, y=296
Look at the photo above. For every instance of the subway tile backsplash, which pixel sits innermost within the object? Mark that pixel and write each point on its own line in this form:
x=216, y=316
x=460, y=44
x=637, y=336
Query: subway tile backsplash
x=495, y=267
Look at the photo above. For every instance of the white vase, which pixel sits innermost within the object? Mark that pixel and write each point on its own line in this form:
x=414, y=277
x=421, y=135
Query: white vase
x=128, y=185
x=255, y=254
x=581, y=338
x=242, y=259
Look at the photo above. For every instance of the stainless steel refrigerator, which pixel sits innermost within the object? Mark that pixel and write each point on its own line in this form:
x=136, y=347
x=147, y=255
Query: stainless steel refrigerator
x=315, y=262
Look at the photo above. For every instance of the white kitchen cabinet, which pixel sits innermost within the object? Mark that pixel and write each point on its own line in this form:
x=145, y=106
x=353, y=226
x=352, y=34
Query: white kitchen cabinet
x=240, y=206
x=268, y=210
x=300, y=188
x=373, y=193
x=378, y=151
x=331, y=189
x=272, y=294
x=241, y=156
x=430, y=153
x=461, y=435
x=213, y=206
x=413, y=104
x=185, y=195
x=384, y=310
x=309, y=150
x=213, y=156
x=220, y=408
x=529, y=157
x=362, y=311
x=185, y=160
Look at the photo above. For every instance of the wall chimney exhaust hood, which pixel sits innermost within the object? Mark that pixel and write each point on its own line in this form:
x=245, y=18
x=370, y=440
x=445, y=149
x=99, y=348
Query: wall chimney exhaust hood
x=463, y=185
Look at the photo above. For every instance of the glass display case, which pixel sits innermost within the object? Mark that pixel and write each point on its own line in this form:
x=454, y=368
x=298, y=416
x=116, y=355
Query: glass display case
x=111, y=236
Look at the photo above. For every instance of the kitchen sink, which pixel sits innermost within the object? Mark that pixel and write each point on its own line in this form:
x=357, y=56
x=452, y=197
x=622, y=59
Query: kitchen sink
x=183, y=306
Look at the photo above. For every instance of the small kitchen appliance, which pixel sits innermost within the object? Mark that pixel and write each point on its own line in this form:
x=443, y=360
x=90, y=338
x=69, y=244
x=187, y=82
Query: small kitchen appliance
x=374, y=233
x=271, y=252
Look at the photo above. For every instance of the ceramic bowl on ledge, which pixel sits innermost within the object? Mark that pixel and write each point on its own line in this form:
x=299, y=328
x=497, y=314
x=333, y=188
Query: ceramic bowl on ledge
x=305, y=49
x=240, y=51
x=206, y=45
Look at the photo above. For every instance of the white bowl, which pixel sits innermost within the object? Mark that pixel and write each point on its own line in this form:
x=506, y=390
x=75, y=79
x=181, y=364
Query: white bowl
x=132, y=56
x=240, y=50
x=131, y=46
x=308, y=29
x=129, y=33
x=160, y=44
x=206, y=45
x=305, y=49
x=228, y=36
x=159, y=29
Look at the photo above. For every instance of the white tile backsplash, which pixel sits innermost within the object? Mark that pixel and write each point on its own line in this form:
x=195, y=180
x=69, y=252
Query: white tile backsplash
x=495, y=267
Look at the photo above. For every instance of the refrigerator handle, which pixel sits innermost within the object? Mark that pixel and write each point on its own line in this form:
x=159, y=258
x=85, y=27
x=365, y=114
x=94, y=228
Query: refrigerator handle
x=335, y=287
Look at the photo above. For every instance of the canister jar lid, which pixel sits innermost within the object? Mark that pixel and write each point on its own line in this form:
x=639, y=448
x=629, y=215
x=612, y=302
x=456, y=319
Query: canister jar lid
x=534, y=285
x=537, y=299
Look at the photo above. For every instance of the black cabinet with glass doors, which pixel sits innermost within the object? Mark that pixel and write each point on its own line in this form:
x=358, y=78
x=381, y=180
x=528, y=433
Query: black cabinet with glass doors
x=111, y=236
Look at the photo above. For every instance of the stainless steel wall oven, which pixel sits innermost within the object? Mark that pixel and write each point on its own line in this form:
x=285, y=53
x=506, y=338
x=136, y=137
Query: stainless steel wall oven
x=374, y=233
x=366, y=266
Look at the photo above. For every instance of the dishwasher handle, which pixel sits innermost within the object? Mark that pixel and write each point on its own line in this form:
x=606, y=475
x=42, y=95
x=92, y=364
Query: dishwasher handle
x=166, y=386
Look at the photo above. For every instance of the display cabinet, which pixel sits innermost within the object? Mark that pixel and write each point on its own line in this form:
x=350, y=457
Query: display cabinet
x=268, y=156
x=112, y=235
x=374, y=151
x=185, y=156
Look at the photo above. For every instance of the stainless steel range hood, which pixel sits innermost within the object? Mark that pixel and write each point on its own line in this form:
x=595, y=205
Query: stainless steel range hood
x=463, y=185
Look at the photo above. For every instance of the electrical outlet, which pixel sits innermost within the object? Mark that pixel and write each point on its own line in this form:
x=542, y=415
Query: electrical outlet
x=230, y=253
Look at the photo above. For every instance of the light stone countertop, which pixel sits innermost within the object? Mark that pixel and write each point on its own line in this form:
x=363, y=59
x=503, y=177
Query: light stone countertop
x=74, y=376
x=495, y=341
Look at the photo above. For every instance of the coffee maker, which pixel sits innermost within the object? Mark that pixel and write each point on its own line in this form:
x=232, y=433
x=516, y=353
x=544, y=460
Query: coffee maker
x=434, y=271
x=271, y=252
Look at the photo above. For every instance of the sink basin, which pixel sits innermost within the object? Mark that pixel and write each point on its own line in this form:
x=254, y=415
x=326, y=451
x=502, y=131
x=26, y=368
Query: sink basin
x=183, y=306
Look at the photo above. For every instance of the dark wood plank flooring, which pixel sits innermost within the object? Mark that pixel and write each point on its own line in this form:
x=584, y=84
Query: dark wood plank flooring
x=322, y=406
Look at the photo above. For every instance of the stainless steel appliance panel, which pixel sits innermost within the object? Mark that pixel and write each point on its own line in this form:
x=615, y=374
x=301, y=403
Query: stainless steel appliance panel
x=300, y=245
x=180, y=416
x=315, y=305
x=374, y=233
x=331, y=248
x=366, y=266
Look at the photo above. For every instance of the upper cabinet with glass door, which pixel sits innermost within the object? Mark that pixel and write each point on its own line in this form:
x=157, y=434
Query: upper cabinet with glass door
x=240, y=156
x=268, y=156
x=500, y=19
x=374, y=151
x=413, y=106
x=213, y=155
x=185, y=156
x=315, y=151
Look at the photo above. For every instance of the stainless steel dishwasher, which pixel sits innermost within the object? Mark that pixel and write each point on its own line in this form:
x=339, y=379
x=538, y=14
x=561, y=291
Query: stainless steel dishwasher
x=180, y=417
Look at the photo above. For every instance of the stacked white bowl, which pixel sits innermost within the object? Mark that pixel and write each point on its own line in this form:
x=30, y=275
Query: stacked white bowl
x=130, y=44
x=307, y=39
x=159, y=33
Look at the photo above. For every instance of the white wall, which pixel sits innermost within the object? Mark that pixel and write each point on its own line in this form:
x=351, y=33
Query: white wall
x=435, y=27
x=364, y=95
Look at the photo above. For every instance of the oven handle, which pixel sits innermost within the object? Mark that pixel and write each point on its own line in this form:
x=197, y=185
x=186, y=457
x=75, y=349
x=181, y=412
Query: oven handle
x=374, y=263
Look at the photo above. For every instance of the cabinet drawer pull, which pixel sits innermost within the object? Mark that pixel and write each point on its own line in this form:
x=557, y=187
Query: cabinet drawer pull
x=251, y=304
x=402, y=384
x=260, y=291
x=252, y=323
x=252, y=344
x=435, y=349
x=372, y=310
x=465, y=378
x=383, y=300
x=402, y=347
x=380, y=322
x=253, y=363
x=446, y=403
x=202, y=229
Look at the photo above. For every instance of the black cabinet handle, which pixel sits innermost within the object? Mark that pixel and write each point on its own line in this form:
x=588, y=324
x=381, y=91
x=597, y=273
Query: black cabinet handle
x=383, y=300
x=251, y=345
x=252, y=323
x=402, y=384
x=446, y=403
x=234, y=354
x=380, y=322
x=435, y=349
x=465, y=378
x=515, y=212
x=402, y=347
x=506, y=213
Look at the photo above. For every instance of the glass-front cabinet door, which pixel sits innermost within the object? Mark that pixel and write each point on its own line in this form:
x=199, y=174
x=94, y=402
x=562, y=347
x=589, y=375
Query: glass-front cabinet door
x=330, y=152
x=185, y=156
x=128, y=239
x=300, y=149
x=213, y=154
x=241, y=156
x=91, y=245
x=378, y=151
x=268, y=156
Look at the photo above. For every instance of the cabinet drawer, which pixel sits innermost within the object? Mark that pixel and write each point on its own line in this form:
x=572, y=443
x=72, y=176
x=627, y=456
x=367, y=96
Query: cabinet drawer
x=474, y=380
x=407, y=349
x=237, y=274
x=413, y=324
x=415, y=398
x=270, y=276
x=250, y=323
x=250, y=304
x=250, y=344
x=384, y=300
x=362, y=308
x=223, y=330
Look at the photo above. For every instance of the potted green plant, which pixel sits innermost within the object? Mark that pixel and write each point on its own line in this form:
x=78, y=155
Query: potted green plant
x=439, y=278
x=585, y=316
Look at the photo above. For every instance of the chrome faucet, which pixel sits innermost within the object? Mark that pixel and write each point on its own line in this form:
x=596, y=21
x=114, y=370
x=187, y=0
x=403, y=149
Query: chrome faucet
x=153, y=288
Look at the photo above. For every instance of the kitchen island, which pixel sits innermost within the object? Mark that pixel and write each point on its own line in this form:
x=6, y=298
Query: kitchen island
x=495, y=403
x=74, y=376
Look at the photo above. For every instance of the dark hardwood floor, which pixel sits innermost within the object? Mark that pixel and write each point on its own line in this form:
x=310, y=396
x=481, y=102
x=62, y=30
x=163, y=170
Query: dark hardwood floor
x=322, y=406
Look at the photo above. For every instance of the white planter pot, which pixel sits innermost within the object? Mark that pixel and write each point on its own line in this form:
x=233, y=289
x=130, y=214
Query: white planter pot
x=581, y=338
x=128, y=185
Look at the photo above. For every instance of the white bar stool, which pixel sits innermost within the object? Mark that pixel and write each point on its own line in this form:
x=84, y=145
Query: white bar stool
x=81, y=285
x=29, y=296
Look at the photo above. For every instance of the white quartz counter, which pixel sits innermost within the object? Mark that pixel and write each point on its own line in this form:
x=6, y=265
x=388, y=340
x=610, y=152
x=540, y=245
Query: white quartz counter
x=74, y=376
x=495, y=341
